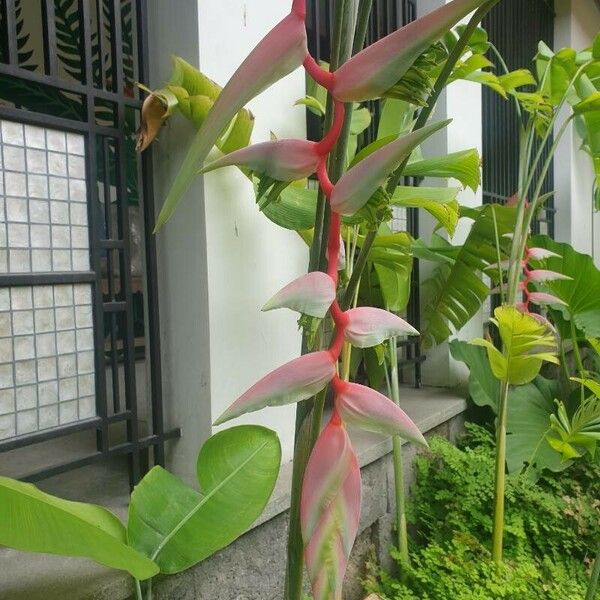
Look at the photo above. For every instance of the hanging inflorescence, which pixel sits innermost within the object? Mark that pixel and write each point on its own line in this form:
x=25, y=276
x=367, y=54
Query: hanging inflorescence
x=331, y=493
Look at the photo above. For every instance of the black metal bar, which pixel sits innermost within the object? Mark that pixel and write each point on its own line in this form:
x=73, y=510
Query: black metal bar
x=45, y=120
x=115, y=307
x=66, y=85
x=122, y=449
x=91, y=170
x=152, y=303
x=11, y=30
x=21, y=279
x=49, y=32
x=112, y=244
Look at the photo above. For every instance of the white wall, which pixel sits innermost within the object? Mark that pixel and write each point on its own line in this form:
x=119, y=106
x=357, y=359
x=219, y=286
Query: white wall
x=462, y=102
x=249, y=258
x=219, y=258
x=577, y=22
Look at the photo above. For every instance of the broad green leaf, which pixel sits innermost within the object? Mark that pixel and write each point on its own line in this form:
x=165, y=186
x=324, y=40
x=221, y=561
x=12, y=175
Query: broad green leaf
x=440, y=202
x=526, y=343
x=529, y=410
x=178, y=527
x=397, y=117
x=484, y=388
x=516, y=79
x=394, y=284
x=361, y=119
x=464, y=166
x=295, y=209
x=33, y=521
x=456, y=291
x=581, y=294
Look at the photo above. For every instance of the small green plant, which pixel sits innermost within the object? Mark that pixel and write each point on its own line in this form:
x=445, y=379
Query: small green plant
x=552, y=529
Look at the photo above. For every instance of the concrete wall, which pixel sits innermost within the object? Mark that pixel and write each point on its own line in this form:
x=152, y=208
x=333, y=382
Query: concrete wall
x=577, y=23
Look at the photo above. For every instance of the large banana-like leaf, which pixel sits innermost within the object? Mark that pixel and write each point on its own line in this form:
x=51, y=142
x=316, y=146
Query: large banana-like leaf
x=178, y=526
x=279, y=53
x=34, y=521
x=526, y=343
x=581, y=293
x=456, y=290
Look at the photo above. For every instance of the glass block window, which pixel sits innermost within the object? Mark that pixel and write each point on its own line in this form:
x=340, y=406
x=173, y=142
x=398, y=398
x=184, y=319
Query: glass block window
x=43, y=211
x=399, y=219
x=46, y=357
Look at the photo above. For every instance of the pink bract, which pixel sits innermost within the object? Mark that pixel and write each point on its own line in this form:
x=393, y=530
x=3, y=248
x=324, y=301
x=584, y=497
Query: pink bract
x=368, y=326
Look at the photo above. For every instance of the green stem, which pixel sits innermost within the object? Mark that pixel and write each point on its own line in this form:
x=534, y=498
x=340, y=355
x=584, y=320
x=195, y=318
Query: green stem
x=595, y=577
x=398, y=464
x=138, y=590
x=498, y=528
x=498, y=255
x=576, y=351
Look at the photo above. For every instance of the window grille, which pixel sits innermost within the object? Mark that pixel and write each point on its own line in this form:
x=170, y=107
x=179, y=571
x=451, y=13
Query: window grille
x=79, y=337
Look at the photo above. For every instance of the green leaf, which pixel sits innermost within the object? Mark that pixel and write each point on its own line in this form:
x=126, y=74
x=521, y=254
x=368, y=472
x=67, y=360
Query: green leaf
x=456, y=291
x=464, y=166
x=581, y=294
x=295, y=209
x=178, y=526
x=361, y=119
x=33, y=521
x=313, y=104
x=397, y=117
x=439, y=202
x=484, y=388
x=526, y=343
x=529, y=410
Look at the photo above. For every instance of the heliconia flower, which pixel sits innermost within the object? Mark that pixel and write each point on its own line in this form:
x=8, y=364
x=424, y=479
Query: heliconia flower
x=375, y=70
x=543, y=298
x=367, y=409
x=368, y=326
x=279, y=53
x=312, y=294
x=283, y=160
x=541, y=254
x=297, y=380
x=358, y=184
x=330, y=510
x=545, y=275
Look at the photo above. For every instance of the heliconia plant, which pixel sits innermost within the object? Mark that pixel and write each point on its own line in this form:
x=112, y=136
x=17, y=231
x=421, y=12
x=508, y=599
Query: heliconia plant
x=330, y=497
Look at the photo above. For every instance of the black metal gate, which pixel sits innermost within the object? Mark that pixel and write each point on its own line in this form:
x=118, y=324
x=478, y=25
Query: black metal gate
x=515, y=27
x=386, y=17
x=67, y=95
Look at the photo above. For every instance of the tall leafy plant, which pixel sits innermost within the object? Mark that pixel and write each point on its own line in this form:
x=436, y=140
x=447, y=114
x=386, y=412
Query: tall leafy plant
x=330, y=496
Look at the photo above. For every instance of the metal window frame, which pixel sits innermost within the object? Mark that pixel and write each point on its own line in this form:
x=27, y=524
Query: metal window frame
x=386, y=17
x=135, y=447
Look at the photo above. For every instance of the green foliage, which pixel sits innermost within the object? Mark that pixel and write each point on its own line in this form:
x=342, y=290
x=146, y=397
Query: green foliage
x=551, y=529
x=526, y=343
x=33, y=521
x=456, y=291
x=178, y=527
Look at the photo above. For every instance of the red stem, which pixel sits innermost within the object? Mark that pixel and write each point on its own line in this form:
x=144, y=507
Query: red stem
x=299, y=7
x=321, y=76
x=327, y=144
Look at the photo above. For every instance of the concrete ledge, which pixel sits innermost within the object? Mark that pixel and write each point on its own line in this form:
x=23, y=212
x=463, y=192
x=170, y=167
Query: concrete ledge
x=252, y=567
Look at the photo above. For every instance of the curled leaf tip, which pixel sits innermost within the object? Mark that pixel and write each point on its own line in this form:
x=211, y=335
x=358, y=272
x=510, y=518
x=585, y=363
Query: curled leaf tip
x=368, y=326
x=358, y=184
x=367, y=409
x=312, y=294
x=282, y=160
x=297, y=380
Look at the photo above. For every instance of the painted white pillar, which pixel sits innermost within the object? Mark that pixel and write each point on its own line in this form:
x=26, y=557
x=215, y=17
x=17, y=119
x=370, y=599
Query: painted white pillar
x=462, y=102
x=577, y=23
